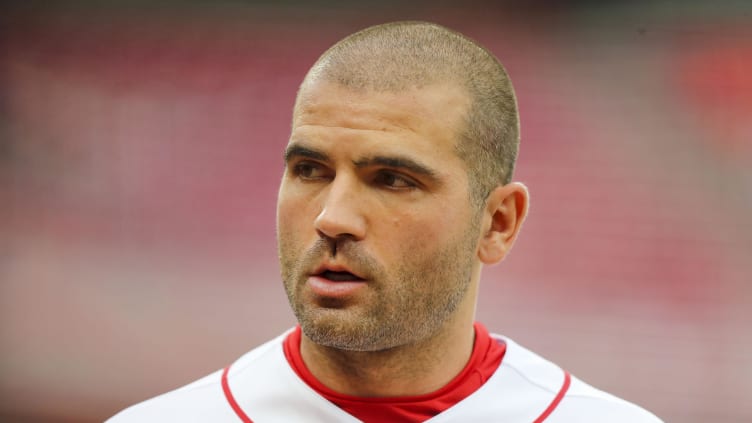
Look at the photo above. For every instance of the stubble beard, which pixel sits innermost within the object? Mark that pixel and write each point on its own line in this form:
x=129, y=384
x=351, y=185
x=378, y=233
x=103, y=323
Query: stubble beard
x=407, y=305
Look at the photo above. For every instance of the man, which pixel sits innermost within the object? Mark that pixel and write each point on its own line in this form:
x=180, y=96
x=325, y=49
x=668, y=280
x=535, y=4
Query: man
x=397, y=189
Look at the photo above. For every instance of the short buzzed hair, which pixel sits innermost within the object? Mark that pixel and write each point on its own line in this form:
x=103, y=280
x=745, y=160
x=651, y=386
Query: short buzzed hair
x=400, y=55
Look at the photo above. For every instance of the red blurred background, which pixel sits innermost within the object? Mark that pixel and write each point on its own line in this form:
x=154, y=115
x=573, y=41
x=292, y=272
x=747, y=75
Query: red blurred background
x=140, y=152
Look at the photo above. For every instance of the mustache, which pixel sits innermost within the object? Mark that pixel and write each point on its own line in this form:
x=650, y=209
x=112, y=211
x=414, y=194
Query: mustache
x=346, y=251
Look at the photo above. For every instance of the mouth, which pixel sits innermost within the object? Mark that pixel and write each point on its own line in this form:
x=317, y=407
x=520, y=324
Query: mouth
x=339, y=276
x=335, y=282
x=337, y=273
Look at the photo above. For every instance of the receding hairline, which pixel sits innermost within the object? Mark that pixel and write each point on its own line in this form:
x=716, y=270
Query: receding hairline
x=332, y=68
x=460, y=95
x=339, y=62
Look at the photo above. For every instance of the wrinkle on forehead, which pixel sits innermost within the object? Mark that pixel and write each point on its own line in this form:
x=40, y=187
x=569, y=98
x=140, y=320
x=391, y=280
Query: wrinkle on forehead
x=438, y=107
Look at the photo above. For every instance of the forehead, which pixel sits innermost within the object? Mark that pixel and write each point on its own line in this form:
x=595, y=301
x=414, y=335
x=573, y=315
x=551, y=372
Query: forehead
x=428, y=117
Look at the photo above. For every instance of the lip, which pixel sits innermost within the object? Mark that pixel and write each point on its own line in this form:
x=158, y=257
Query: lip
x=325, y=287
x=335, y=267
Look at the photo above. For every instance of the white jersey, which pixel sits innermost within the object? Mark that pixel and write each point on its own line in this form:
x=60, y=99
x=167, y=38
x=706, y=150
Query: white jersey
x=261, y=387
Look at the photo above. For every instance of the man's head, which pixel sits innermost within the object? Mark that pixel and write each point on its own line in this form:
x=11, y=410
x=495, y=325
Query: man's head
x=397, y=56
x=386, y=208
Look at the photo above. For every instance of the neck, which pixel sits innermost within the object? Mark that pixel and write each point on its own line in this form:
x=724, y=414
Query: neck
x=408, y=370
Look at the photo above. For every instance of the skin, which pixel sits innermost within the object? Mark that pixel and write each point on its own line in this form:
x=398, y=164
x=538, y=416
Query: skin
x=373, y=186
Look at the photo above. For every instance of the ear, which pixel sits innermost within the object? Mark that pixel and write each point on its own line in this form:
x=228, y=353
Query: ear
x=506, y=209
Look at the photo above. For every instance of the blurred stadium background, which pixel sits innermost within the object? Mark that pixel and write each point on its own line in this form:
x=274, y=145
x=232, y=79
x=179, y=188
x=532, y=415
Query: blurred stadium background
x=140, y=152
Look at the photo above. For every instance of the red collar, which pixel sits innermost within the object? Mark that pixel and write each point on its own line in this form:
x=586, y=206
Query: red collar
x=484, y=360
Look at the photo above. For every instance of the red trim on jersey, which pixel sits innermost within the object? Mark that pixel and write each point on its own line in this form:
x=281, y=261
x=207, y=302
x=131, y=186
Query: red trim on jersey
x=484, y=361
x=557, y=399
x=231, y=399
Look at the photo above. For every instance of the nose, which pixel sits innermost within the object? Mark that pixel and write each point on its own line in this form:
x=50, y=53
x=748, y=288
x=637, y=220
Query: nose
x=342, y=211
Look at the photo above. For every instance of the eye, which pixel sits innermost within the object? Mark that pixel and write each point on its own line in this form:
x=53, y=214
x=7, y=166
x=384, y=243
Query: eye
x=394, y=180
x=308, y=170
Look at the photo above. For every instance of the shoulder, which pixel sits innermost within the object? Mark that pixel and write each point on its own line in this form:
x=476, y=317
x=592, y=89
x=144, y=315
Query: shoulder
x=570, y=399
x=202, y=400
x=588, y=404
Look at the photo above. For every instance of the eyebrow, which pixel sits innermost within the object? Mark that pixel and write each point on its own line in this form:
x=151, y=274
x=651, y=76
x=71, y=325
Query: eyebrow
x=297, y=150
x=397, y=162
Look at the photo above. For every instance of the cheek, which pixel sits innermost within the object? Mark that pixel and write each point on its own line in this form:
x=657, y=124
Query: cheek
x=292, y=206
x=291, y=215
x=285, y=215
x=421, y=233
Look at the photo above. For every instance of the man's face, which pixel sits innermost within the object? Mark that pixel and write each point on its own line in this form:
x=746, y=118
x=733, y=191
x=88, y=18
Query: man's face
x=377, y=236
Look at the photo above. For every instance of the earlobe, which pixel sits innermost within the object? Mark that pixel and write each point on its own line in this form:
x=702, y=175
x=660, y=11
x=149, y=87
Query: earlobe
x=506, y=209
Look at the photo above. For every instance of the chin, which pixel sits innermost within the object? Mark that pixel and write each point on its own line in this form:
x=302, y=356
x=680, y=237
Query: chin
x=330, y=328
